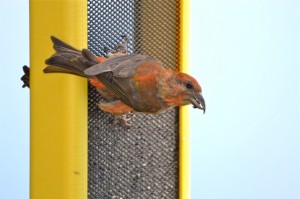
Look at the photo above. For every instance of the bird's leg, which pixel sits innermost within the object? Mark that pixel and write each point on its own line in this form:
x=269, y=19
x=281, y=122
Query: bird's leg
x=121, y=111
x=120, y=49
x=115, y=108
x=123, y=47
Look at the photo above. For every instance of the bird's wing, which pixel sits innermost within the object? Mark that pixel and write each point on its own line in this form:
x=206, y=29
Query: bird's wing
x=115, y=73
x=121, y=66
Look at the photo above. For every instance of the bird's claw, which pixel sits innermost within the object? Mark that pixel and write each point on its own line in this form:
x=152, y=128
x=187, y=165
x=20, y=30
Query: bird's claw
x=125, y=119
x=106, y=49
x=26, y=77
x=120, y=49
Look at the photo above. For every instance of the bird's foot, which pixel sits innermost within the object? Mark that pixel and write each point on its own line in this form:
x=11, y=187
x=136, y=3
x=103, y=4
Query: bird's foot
x=120, y=49
x=25, y=77
x=125, y=119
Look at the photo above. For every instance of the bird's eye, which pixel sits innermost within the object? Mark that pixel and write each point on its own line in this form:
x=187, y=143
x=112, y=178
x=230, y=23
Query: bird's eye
x=189, y=86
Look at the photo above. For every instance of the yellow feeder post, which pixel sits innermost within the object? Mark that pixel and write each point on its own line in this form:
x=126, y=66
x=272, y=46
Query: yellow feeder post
x=184, y=113
x=59, y=104
x=58, y=112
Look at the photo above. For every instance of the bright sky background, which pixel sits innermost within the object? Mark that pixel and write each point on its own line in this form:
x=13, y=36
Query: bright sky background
x=246, y=55
x=14, y=101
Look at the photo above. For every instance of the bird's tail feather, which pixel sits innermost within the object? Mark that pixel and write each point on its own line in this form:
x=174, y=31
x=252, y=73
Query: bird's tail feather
x=68, y=59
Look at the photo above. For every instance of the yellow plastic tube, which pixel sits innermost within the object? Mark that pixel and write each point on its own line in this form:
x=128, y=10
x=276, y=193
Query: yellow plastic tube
x=184, y=114
x=58, y=104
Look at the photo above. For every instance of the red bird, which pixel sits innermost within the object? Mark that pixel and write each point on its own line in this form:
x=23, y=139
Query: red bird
x=132, y=83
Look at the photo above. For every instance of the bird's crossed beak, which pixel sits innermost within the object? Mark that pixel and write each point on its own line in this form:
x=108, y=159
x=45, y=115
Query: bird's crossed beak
x=198, y=102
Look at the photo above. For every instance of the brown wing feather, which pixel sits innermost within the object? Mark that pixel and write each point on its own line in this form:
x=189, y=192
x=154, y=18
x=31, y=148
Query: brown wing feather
x=62, y=47
x=116, y=74
x=121, y=66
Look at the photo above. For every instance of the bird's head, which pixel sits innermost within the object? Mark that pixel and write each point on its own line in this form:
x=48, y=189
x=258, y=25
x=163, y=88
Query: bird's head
x=189, y=91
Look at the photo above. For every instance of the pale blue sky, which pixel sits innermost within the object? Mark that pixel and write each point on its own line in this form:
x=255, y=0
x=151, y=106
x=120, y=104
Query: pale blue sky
x=246, y=55
x=14, y=101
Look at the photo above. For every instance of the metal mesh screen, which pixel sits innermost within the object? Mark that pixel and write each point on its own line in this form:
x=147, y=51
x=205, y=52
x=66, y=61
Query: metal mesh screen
x=140, y=162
